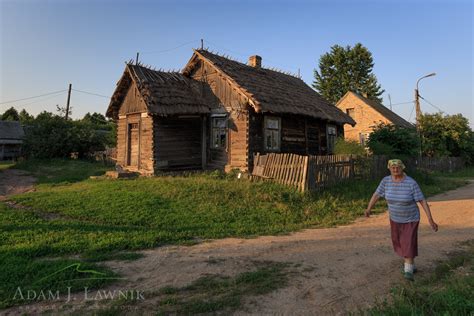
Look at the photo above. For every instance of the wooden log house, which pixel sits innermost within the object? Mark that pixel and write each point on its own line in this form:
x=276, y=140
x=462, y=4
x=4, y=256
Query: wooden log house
x=216, y=114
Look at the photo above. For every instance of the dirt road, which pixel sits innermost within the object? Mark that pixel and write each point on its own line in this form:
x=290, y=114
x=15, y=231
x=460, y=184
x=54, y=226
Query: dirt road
x=14, y=181
x=339, y=269
x=342, y=268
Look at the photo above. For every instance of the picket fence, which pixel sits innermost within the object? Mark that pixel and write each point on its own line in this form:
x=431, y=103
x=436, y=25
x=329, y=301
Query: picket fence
x=314, y=173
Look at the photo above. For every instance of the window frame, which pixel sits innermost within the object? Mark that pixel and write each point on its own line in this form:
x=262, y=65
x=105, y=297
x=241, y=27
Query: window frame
x=331, y=138
x=269, y=131
x=219, y=130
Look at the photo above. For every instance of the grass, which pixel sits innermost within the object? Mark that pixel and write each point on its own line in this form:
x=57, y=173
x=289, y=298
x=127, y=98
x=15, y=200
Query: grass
x=102, y=219
x=448, y=290
x=6, y=164
x=56, y=171
x=211, y=294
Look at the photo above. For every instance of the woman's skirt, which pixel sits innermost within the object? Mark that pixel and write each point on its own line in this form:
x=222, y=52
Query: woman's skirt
x=405, y=238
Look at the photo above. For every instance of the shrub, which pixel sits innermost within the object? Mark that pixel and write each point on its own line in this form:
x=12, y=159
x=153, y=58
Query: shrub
x=348, y=147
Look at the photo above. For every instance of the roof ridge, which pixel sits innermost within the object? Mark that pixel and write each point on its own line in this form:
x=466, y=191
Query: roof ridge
x=288, y=73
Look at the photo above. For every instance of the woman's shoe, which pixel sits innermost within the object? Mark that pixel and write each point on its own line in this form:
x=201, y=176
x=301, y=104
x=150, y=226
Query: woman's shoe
x=409, y=276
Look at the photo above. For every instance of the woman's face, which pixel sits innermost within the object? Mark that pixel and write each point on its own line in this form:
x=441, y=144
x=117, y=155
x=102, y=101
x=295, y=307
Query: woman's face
x=396, y=170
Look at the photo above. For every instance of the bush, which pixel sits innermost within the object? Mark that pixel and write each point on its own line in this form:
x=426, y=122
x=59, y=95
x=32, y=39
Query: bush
x=348, y=147
x=391, y=140
x=50, y=136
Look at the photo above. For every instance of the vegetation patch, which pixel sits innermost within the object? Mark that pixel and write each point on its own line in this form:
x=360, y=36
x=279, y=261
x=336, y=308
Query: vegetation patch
x=211, y=294
x=448, y=290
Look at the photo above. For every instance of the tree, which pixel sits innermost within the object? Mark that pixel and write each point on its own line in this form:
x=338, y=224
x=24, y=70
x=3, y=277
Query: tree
x=395, y=141
x=25, y=117
x=10, y=115
x=448, y=135
x=347, y=69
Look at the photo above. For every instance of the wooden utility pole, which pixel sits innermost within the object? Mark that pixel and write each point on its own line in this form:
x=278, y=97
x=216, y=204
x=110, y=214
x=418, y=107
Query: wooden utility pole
x=68, y=100
x=136, y=60
x=202, y=44
x=417, y=108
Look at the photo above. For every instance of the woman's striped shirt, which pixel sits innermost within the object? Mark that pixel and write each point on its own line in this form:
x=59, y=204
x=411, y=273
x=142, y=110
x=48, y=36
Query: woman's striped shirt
x=401, y=198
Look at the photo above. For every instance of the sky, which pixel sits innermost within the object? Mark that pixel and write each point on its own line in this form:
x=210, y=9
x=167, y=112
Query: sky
x=45, y=45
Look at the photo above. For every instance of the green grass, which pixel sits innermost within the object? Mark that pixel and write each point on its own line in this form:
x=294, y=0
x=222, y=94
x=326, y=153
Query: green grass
x=6, y=164
x=102, y=219
x=448, y=290
x=211, y=294
x=55, y=171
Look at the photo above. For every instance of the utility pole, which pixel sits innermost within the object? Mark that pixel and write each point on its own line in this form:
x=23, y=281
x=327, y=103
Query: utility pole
x=202, y=44
x=136, y=60
x=417, y=100
x=68, y=99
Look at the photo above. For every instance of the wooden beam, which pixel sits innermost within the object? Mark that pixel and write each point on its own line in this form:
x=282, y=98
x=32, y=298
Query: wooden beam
x=204, y=142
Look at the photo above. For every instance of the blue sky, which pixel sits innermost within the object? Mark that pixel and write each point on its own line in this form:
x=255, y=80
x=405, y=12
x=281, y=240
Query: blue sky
x=45, y=45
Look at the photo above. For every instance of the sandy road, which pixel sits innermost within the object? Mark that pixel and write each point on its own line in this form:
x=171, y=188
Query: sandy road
x=340, y=269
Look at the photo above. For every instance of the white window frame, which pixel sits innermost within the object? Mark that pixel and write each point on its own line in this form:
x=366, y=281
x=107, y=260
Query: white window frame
x=272, y=132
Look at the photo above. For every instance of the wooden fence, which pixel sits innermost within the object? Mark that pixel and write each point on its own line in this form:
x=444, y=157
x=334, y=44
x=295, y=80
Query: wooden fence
x=316, y=172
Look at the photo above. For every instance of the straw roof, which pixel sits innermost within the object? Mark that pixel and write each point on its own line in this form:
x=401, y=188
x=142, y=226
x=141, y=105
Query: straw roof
x=164, y=93
x=270, y=90
x=383, y=110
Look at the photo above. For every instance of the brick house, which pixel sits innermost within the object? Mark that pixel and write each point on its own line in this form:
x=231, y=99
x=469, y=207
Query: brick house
x=367, y=114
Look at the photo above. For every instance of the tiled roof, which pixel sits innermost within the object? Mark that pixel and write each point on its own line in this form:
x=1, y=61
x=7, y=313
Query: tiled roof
x=11, y=132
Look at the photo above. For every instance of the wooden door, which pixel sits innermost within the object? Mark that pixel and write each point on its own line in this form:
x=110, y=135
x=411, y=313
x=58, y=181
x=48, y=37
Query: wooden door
x=133, y=148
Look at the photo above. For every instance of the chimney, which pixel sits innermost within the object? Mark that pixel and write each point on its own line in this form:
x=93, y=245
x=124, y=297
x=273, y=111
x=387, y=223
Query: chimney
x=255, y=61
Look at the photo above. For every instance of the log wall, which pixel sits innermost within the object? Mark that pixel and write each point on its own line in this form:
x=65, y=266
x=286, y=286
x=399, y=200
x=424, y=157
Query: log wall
x=177, y=143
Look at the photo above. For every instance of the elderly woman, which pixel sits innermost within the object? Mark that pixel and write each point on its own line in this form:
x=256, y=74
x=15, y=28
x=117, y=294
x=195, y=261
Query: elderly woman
x=402, y=193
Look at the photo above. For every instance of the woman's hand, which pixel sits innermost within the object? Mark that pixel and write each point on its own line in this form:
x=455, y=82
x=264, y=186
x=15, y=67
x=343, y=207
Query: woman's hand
x=434, y=226
x=367, y=213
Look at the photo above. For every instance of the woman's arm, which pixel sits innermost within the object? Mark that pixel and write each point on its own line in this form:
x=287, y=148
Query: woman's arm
x=426, y=207
x=372, y=202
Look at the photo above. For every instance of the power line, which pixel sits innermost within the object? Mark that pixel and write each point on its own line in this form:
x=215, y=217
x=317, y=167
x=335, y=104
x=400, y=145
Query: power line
x=170, y=49
x=42, y=100
x=409, y=119
x=439, y=109
x=37, y=96
x=403, y=103
x=91, y=93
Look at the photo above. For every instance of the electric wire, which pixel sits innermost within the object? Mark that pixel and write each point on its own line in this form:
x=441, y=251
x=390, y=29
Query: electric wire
x=37, y=96
x=91, y=93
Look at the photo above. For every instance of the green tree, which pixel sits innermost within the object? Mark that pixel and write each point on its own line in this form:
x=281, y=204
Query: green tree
x=10, y=115
x=25, y=117
x=446, y=135
x=391, y=140
x=347, y=69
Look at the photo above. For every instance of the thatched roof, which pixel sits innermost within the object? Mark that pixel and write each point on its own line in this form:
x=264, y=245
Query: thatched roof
x=11, y=132
x=271, y=91
x=164, y=93
x=383, y=110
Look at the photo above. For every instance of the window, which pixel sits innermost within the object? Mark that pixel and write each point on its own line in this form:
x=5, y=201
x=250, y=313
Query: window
x=363, y=137
x=272, y=133
x=350, y=112
x=219, y=132
x=331, y=137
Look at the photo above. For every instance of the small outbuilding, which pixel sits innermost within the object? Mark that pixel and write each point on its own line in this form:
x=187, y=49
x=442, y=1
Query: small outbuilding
x=11, y=139
x=216, y=114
